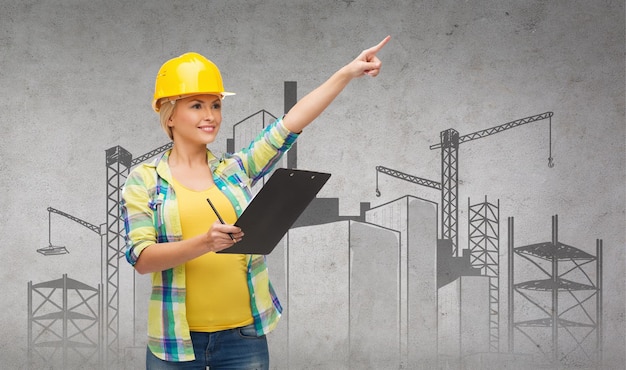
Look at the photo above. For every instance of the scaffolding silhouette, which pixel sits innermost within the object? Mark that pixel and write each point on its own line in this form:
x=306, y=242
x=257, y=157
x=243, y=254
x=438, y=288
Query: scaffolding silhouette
x=64, y=328
x=484, y=246
x=565, y=315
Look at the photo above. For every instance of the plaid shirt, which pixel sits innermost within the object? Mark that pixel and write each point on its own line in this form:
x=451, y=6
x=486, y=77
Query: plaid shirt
x=150, y=213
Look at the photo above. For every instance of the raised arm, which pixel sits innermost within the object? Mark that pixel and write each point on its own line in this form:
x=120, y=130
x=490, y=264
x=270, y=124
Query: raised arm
x=313, y=104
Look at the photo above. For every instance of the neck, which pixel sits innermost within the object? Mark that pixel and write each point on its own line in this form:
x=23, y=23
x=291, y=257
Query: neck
x=187, y=156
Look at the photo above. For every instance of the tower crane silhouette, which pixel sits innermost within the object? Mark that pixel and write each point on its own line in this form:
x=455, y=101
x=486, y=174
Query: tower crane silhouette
x=449, y=145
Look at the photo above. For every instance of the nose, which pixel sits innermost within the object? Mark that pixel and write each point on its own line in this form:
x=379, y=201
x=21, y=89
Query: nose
x=209, y=115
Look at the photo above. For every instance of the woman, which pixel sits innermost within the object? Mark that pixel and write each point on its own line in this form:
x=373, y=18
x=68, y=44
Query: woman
x=209, y=309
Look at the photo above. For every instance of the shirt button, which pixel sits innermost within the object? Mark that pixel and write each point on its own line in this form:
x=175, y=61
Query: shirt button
x=223, y=187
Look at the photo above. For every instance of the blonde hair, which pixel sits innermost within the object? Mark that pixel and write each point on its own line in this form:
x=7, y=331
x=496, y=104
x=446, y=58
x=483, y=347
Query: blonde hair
x=165, y=113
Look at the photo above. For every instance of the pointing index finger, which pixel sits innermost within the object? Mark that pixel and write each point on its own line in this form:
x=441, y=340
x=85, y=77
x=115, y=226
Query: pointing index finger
x=376, y=49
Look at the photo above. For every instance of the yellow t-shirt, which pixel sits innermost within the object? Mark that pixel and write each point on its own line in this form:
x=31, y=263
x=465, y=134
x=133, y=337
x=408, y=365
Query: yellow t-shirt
x=217, y=290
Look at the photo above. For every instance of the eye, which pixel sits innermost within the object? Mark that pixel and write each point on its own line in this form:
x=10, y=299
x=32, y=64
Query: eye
x=216, y=106
x=196, y=106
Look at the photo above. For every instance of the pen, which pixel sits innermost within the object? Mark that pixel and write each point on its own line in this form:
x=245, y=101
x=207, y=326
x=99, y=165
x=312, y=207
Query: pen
x=219, y=217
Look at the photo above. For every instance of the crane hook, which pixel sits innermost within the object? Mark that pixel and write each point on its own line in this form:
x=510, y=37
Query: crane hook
x=377, y=191
x=550, y=162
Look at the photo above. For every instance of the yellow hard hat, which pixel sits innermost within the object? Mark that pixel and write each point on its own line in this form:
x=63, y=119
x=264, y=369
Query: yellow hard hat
x=188, y=74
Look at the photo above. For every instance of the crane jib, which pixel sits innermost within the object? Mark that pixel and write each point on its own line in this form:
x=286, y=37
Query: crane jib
x=500, y=128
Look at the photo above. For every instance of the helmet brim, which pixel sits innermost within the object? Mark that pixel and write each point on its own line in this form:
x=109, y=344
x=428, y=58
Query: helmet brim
x=156, y=104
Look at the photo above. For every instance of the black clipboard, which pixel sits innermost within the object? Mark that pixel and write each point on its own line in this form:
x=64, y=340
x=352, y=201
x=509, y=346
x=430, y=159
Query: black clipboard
x=275, y=209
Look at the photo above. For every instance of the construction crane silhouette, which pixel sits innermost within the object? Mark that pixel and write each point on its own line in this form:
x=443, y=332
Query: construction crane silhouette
x=56, y=249
x=449, y=144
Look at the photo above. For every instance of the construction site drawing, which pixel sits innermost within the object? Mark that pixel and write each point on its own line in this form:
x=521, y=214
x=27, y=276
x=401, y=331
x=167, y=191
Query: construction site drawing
x=437, y=295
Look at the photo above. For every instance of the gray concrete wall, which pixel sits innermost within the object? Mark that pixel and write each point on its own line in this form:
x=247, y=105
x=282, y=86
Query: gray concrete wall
x=77, y=79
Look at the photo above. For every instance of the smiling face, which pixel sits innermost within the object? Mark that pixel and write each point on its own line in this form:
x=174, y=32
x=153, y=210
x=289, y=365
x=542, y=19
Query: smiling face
x=196, y=119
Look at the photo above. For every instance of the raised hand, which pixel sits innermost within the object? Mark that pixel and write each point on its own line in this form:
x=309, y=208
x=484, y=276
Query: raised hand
x=367, y=63
x=314, y=103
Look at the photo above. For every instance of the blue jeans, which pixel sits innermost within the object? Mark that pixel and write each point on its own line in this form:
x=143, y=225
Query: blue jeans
x=238, y=348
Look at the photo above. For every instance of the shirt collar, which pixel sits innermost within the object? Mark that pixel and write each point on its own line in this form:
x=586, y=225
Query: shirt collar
x=163, y=168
